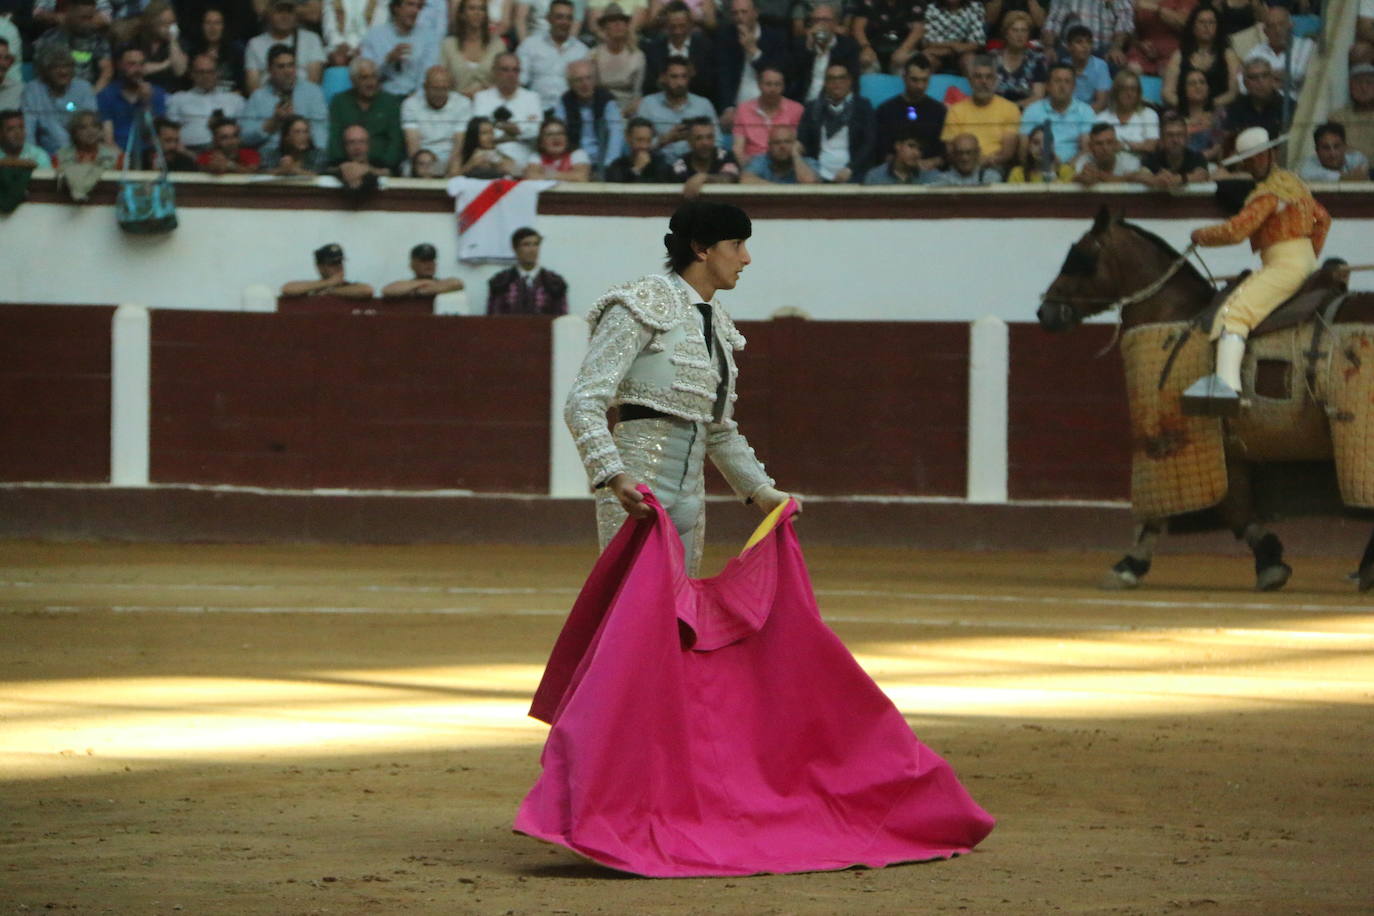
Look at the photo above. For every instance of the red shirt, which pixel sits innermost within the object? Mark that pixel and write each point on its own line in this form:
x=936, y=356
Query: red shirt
x=246, y=156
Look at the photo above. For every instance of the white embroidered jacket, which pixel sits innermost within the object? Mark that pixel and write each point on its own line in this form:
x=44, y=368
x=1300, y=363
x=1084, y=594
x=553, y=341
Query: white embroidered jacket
x=647, y=348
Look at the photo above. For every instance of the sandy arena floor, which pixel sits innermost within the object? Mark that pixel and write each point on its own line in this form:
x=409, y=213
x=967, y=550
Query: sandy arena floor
x=243, y=730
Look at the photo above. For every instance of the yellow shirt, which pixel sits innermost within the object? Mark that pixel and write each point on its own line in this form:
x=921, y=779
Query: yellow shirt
x=1062, y=173
x=989, y=123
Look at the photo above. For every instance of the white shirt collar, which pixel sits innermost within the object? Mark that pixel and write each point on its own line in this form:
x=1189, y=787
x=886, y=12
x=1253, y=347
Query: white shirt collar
x=692, y=295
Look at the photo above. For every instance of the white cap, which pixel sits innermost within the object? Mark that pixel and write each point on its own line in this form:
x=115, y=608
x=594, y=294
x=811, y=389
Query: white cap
x=1252, y=140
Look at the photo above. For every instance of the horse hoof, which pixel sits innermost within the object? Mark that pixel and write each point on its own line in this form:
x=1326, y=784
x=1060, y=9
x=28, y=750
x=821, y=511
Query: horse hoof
x=1117, y=580
x=1273, y=578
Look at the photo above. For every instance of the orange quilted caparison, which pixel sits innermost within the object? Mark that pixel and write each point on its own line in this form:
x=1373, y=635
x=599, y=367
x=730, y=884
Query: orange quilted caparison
x=1279, y=209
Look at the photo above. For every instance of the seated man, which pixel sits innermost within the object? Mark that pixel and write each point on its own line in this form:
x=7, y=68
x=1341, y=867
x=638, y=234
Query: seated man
x=403, y=48
x=49, y=100
x=705, y=162
x=783, y=163
x=15, y=149
x=1173, y=164
x=227, y=154
x=904, y=166
x=546, y=54
x=357, y=170
x=368, y=105
x=988, y=116
x=527, y=288
x=515, y=113
x=592, y=117
x=82, y=34
x=1105, y=162
x=329, y=261
x=965, y=165
x=915, y=110
x=838, y=129
x=123, y=102
x=1069, y=119
x=1260, y=105
x=435, y=118
x=641, y=164
x=194, y=107
x=1358, y=117
x=670, y=110
x=274, y=102
x=283, y=29
x=423, y=263
x=1092, y=78
x=11, y=78
x=1333, y=161
x=1281, y=49
x=169, y=135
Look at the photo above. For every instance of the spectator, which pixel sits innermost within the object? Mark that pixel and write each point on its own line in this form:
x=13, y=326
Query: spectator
x=16, y=151
x=705, y=162
x=424, y=265
x=514, y=112
x=1287, y=55
x=915, y=111
x=670, y=109
x=680, y=41
x=1260, y=105
x=783, y=163
x=481, y=157
x=553, y=159
x=402, y=48
x=619, y=62
x=1236, y=16
x=965, y=165
x=357, y=169
x=366, y=104
x=122, y=103
x=79, y=32
x=282, y=29
x=1112, y=23
x=1205, y=132
x=1091, y=76
x=1021, y=69
x=903, y=166
x=470, y=52
x=435, y=118
x=1203, y=48
x=1069, y=119
x=49, y=100
x=1358, y=117
x=743, y=48
x=527, y=288
x=343, y=25
x=424, y=164
x=1174, y=164
x=1033, y=166
x=227, y=154
x=210, y=40
x=991, y=119
x=164, y=61
x=11, y=81
x=329, y=261
x=1363, y=50
x=703, y=12
x=546, y=54
x=193, y=108
x=636, y=19
x=533, y=16
x=1137, y=125
x=888, y=32
x=954, y=32
x=812, y=54
x=241, y=20
x=1105, y=162
x=1158, y=25
x=87, y=144
x=284, y=94
x=174, y=153
x=755, y=118
x=595, y=125
x=999, y=11
x=295, y=152
x=641, y=164
x=838, y=129
x=1333, y=161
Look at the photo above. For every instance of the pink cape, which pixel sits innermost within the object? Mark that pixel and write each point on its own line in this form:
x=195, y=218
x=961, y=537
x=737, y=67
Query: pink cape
x=718, y=727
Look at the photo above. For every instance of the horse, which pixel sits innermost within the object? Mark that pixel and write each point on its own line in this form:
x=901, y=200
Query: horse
x=1119, y=265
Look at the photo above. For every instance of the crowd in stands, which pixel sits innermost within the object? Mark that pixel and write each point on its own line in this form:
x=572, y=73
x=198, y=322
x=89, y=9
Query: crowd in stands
x=667, y=91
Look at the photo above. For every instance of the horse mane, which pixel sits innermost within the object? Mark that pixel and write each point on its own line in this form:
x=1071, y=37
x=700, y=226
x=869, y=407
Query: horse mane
x=1167, y=249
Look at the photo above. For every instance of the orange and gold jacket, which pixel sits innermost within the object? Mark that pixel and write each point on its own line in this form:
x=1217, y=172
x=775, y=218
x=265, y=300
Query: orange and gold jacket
x=1279, y=209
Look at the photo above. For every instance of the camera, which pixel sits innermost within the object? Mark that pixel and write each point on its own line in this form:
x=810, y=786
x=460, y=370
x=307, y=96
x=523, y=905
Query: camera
x=501, y=114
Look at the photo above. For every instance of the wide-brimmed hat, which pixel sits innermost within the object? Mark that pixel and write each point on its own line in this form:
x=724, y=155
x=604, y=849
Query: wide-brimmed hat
x=613, y=11
x=1251, y=141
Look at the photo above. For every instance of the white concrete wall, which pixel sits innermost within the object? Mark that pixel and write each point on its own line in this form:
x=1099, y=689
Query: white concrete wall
x=932, y=270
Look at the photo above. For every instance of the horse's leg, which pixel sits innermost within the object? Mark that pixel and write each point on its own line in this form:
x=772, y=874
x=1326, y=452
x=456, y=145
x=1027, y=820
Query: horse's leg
x=1238, y=511
x=1367, y=566
x=1131, y=568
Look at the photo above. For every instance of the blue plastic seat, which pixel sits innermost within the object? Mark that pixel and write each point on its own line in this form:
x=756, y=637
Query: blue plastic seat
x=941, y=83
x=879, y=87
x=1307, y=26
x=335, y=80
x=1151, y=89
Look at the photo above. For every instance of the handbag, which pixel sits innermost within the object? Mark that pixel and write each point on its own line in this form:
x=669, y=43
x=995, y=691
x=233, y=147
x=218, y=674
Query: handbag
x=145, y=207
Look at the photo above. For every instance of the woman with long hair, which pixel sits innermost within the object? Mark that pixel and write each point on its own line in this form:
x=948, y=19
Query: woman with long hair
x=1137, y=125
x=296, y=154
x=479, y=157
x=1203, y=47
x=1032, y=166
x=164, y=61
x=1199, y=112
x=210, y=38
x=470, y=52
x=1021, y=69
x=553, y=159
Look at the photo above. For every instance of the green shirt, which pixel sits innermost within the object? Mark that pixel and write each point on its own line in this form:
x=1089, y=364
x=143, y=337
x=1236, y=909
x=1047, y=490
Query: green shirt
x=382, y=120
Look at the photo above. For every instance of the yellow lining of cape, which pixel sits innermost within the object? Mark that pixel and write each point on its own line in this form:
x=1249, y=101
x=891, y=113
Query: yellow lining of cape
x=766, y=526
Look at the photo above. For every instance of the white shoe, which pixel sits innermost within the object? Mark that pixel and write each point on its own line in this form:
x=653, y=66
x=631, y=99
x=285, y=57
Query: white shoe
x=1219, y=395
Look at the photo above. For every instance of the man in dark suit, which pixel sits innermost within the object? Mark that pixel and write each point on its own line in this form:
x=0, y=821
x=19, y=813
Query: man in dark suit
x=527, y=288
x=813, y=53
x=838, y=129
x=679, y=40
x=743, y=47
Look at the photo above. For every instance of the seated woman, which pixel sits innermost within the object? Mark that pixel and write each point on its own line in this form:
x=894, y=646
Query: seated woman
x=424, y=164
x=553, y=159
x=1031, y=166
x=1200, y=113
x=1021, y=69
x=479, y=157
x=470, y=52
x=296, y=154
x=1158, y=26
x=1204, y=48
x=88, y=146
x=954, y=33
x=164, y=62
x=228, y=53
x=1137, y=125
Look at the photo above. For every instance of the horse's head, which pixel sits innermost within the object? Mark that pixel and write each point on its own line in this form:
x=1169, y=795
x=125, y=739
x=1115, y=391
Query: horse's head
x=1086, y=284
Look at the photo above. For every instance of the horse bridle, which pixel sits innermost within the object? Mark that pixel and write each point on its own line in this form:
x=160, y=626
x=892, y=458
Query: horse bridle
x=1121, y=302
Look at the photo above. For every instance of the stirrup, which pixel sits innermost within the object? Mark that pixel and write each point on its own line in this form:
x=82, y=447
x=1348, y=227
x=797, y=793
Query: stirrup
x=1210, y=396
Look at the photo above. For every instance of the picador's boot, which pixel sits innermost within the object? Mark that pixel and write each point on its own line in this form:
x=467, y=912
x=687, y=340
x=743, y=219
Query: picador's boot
x=1219, y=395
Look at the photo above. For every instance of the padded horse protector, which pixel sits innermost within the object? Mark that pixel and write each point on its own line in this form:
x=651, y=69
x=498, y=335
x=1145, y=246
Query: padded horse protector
x=1348, y=389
